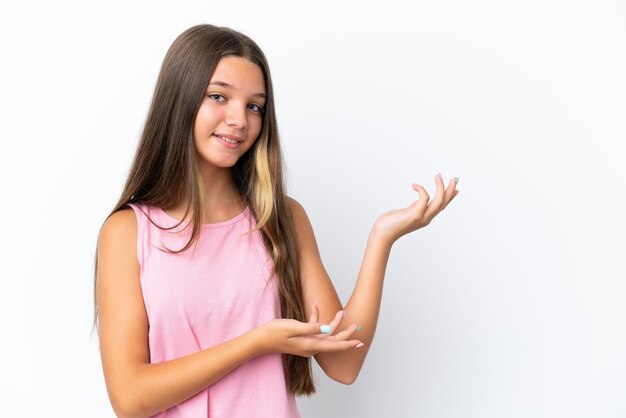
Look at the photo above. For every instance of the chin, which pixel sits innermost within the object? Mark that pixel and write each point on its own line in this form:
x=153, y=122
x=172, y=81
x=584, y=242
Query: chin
x=222, y=163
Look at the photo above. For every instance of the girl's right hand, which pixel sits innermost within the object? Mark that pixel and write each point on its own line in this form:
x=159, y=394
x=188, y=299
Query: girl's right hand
x=305, y=338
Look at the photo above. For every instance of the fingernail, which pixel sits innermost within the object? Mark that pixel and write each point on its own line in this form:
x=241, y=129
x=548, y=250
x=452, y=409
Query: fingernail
x=440, y=176
x=325, y=329
x=457, y=181
x=316, y=306
x=359, y=345
x=343, y=314
x=357, y=329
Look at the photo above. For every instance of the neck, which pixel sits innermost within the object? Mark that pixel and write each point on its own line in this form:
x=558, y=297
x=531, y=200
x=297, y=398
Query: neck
x=219, y=187
x=223, y=200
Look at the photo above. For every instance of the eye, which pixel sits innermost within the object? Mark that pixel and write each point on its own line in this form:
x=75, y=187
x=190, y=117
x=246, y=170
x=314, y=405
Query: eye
x=256, y=108
x=216, y=97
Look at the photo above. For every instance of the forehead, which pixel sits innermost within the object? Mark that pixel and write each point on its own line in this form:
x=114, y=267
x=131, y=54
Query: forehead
x=238, y=74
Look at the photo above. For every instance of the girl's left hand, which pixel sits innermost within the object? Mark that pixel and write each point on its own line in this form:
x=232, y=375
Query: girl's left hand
x=396, y=223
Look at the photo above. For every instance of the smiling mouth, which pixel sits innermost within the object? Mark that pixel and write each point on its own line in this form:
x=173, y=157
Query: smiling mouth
x=225, y=139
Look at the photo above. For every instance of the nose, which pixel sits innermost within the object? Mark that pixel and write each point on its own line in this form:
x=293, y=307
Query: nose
x=236, y=116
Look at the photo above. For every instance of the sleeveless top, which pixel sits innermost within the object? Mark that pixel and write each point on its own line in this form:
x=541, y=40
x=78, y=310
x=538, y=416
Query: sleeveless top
x=198, y=299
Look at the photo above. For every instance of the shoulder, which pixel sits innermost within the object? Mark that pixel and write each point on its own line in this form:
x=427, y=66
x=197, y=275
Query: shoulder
x=302, y=224
x=294, y=205
x=117, y=250
x=119, y=223
x=297, y=212
x=118, y=233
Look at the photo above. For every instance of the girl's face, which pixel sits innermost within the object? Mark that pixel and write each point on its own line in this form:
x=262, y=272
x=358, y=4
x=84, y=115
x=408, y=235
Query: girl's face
x=230, y=117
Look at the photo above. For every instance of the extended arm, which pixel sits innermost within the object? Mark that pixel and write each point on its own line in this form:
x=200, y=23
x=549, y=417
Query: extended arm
x=363, y=307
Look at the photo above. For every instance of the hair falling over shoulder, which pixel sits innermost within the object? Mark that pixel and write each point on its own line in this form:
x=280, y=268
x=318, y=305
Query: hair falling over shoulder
x=164, y=172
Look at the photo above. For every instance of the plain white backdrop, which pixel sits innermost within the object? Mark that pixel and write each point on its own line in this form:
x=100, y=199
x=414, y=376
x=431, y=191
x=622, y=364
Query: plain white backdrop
x=510, y=304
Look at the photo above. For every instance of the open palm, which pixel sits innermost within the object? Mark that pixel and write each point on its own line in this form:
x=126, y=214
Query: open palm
x=398, y=222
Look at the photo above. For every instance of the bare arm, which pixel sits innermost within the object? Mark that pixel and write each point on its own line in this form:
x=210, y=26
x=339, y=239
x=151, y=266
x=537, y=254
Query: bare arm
x=138, y=388
x=363, y=307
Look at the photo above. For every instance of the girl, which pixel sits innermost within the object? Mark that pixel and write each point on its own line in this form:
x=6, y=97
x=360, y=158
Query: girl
x=210, y=295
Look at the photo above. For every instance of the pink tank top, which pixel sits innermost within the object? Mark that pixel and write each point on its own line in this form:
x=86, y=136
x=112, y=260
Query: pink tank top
x=197, y=300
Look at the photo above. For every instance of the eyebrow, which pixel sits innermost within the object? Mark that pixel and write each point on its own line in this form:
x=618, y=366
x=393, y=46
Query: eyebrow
x=229, y=86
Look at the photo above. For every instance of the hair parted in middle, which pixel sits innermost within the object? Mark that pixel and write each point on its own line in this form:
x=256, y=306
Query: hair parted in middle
x=165, y=171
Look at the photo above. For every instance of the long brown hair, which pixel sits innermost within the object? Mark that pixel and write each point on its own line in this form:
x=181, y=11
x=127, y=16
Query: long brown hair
x=165, y=171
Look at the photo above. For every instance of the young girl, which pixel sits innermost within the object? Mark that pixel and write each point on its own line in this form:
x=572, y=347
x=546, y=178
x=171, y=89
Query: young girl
x=210, y=295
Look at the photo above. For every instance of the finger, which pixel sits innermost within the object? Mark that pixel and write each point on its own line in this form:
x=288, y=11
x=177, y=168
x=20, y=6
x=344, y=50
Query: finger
x=346, y=333
x=436, y=205
x=422, y=203
x=297, y=328
x=454, y=193
x=451, y=191
x=336, y=321
x=315, y=313
x=328, y=346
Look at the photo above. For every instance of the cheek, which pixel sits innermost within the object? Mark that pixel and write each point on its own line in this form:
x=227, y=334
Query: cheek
x=257, y=126
x=196, y=133
x=204, y=119
x=252, y=143
x=197, y=126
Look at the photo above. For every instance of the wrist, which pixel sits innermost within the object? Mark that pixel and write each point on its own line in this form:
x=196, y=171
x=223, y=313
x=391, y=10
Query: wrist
x=379, y=236
x=259, y=340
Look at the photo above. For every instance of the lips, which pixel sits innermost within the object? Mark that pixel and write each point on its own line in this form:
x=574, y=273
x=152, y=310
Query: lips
x=226, y=141
x=231, y=139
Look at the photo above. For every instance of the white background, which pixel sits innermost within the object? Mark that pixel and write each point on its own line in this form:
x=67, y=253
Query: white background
x=510, y=304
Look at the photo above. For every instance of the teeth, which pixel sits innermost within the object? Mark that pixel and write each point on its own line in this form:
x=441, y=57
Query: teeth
x=232, y=141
